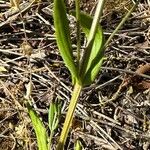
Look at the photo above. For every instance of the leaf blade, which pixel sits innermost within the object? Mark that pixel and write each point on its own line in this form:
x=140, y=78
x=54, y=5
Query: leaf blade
x=63, y=36
x=54, y=115
x=39, y=129
x=95, y=59
x=78, y=145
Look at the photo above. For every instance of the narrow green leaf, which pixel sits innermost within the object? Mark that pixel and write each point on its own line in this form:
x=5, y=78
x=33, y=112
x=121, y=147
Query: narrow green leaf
x=63, y=38
x=57, y=115
x=39, y=129
x=53, y=115
x=95, y=58
x=78, y=145
x=52, y=111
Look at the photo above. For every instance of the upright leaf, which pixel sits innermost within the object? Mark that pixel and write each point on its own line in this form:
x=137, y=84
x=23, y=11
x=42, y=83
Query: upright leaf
x=63, y=38
x=39, y=129
x=95, y=58
x=53, y=115
x=78, y=145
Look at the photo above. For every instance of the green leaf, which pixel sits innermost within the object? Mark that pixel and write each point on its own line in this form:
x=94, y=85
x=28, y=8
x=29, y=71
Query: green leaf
x=78, y=145
x=63, y=38
x=53, y=116
x=95, y=59
x=39, y=129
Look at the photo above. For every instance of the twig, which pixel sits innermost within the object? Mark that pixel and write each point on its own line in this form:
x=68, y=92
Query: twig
x=127, y=71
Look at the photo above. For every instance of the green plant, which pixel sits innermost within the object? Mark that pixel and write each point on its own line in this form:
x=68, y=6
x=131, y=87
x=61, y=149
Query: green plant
x=53, y=119
x=83, y=69
x=39, y=129
x=86, y=69
x=84, y=73
x=78, y=145
x=44, y=141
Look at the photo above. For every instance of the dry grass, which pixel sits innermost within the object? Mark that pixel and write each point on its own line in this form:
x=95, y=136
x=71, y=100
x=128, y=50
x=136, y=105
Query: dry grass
x=113, y=113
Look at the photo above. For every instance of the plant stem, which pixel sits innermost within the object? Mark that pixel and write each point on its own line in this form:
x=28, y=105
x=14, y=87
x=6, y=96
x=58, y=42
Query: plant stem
x=121, y=23
x=77, y=3
x=69, y=116
x=50, y=140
